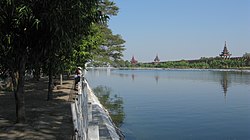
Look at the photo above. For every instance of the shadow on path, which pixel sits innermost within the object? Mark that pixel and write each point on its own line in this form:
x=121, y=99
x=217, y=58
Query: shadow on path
x=45, y=120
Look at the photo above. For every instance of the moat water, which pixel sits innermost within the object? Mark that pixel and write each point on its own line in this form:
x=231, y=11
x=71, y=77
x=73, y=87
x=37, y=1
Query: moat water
x=180, y=104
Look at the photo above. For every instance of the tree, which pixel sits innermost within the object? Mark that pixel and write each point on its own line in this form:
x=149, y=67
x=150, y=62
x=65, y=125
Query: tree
x=108, y=8
x=23, y=22
x=17, y=22
x=246, y=57
x=101, y=46
x=89, y=44
x=110, y=50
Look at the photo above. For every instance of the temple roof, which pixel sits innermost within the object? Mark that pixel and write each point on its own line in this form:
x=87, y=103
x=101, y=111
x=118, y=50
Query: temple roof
x=225, y=51
x=157, y=59
x=133, y=61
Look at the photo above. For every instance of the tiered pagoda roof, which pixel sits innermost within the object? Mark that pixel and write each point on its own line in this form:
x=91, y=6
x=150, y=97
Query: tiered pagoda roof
x=225, y=53
x=157, y=60
x=133, y=61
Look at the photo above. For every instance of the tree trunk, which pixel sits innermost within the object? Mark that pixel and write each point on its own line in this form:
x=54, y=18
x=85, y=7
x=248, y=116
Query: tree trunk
x=37, y=72
x=18, y=84
x=50, y=82
x=20, y=97
x=14, y=82
x=61, y=79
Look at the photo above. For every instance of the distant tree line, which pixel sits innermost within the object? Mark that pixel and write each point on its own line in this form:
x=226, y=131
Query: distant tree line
x=202, y=63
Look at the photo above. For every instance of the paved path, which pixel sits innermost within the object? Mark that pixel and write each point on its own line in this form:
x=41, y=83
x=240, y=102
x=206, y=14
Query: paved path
x=46, y=120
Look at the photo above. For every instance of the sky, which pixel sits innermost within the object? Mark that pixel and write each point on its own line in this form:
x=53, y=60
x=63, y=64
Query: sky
x=182, y=29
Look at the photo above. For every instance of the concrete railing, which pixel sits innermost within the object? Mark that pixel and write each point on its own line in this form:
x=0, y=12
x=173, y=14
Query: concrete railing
x=79, y=112
x=86, y=125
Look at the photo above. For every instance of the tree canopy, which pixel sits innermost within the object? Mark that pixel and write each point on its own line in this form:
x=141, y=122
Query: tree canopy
x=101, y=47
x=47, y=34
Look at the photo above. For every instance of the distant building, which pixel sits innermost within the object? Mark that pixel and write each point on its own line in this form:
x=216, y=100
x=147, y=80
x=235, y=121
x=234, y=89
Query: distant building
x=156, y=60
x=133, y=61
x=225, y=53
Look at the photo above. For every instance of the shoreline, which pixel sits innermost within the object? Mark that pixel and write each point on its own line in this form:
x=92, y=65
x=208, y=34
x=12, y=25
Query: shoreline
x=190, y=69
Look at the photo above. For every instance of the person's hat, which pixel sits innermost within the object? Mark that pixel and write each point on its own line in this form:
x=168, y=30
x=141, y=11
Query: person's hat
x=80, y=68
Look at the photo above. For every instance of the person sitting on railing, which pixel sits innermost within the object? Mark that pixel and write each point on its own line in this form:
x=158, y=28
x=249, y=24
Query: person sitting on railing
x=78, y=73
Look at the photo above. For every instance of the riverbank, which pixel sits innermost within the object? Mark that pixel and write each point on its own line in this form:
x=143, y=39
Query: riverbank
x=145, y=68
x=236, y=70
x=46, y=120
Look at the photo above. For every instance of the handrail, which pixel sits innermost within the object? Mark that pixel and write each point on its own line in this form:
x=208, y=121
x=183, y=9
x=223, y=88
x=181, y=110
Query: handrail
x=79, y=110
x=84, y=127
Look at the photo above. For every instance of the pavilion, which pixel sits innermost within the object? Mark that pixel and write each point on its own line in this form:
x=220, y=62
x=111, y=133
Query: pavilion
x=133, y=61
x=225, y=53
x=156, y=60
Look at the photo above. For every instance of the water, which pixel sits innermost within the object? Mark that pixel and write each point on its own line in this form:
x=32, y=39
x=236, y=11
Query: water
x=180, y=104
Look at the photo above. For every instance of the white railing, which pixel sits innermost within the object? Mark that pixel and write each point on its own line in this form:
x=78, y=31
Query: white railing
x=80, y=112
x=86, y=128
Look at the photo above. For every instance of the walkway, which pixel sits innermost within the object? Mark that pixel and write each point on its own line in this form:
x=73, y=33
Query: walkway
x=46, y=120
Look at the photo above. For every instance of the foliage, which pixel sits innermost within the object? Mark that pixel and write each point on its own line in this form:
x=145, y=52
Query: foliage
x=203, y=63
x=246, y=55
x=108, y=8
x=17, y=25
x=101, y=47
x=110, y=49
x=35, y=34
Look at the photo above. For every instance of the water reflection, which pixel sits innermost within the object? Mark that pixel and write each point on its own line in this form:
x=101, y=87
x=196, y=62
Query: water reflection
x=225, y=83
x=114, y=104
x=133, y=77
x=156, y=78
x=224, y=78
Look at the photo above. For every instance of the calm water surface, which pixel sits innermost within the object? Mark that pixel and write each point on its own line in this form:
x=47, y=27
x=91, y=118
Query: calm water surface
x=180, y=104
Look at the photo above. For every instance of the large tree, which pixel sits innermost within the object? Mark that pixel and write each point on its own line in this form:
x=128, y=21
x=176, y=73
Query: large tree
x=17, y=22
x=101, y=46
x=110, y=50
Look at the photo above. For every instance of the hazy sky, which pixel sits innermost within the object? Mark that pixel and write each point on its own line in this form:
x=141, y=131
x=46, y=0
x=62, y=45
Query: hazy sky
x=182, y=29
